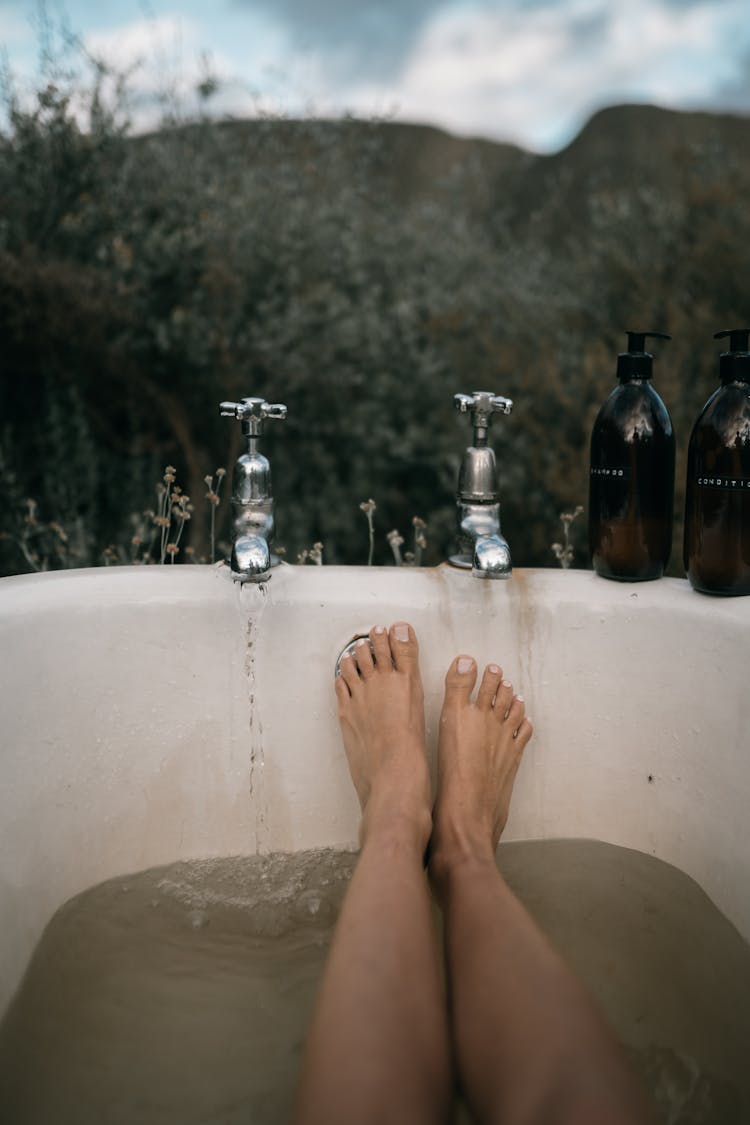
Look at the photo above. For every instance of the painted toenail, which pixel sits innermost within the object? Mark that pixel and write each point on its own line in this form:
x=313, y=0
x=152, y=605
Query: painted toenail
x=494, y=669
x=464, y=665
x=507, y=683
x=519, y=699
x=379, y=629
x=401, y=632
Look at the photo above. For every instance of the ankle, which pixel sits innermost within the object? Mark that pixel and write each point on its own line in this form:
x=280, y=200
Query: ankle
x=402, y=824
x=459, y=852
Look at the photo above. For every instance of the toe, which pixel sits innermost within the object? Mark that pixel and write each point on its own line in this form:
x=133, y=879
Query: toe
x=460, y=678
x=381, y=647
x=524, y=733
x=349, y=673
x=491, y=680
x=343, y=694
x=503, y=700
x=516, y=713
x=363, y=657
x=404, y=647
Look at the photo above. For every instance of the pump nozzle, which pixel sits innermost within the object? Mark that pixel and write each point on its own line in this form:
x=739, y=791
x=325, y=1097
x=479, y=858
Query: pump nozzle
x=637, y=340
x=738, y=338
x=734, y=364
x=636, y=362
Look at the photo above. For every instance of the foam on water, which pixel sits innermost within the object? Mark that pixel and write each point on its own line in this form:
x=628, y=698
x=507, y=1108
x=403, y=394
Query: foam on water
x=182, y=995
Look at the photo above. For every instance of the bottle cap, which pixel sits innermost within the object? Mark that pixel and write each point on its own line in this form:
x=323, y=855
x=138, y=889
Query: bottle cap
x=636, y=362
x=735, y=364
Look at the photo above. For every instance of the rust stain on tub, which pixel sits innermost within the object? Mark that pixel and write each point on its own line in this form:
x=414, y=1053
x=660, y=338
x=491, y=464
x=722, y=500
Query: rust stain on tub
x=526, y=605
x=444, y=575
x=525, y=609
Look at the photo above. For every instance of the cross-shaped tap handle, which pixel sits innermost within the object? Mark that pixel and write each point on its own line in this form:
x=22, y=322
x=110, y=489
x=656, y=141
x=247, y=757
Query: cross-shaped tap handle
x=253, y=412
x=482, y=405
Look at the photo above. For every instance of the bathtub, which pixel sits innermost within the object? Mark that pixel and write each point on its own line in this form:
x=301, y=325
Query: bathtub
x=158, y=713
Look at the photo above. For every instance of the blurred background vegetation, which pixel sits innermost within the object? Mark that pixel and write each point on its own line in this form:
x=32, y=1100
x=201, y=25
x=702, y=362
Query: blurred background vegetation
x=361, y=273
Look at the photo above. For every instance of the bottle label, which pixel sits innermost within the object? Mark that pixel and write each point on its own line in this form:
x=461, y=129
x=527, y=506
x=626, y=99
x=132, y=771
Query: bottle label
x=611, y=474
x=732, y=484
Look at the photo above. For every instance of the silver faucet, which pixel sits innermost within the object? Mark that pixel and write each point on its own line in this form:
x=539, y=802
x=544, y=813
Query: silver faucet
x=252, y=501
x=481, y=547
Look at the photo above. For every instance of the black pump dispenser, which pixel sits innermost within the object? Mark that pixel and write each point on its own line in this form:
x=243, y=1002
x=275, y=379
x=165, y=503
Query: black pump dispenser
x=631, y=486
x=734, y=364
x=636, y=362
x=717, y=497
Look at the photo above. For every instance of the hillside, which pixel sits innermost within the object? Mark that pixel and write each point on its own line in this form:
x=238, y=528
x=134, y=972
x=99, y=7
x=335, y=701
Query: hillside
x=621, y=150
x=626, y=150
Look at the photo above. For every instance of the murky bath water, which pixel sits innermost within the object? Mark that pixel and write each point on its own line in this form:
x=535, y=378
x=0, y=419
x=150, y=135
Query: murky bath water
x=182, y=995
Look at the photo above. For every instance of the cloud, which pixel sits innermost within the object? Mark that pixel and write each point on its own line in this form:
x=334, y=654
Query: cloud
x=734, y=92
x=16, y=30
x=373, y=37
x=159, y=55
x=166, y=60
x=535, y=73
x=141, y=39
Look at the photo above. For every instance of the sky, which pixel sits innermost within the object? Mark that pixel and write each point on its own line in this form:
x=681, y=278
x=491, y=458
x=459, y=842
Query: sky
x=527, y=71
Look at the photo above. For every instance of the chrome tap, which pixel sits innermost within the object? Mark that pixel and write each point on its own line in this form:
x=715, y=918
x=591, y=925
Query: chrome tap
x=480, y=543
x=252, y=502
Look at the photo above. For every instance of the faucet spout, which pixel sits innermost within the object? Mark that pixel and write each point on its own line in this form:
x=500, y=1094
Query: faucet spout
x=251, y=559
x=482, y=547
x=491, y=557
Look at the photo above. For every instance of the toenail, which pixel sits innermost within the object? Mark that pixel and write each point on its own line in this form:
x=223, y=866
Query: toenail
x=519, y=699
x=379, y=629
x=494, y=669
x=464, y=665
x=401, y=632
x=507, y=683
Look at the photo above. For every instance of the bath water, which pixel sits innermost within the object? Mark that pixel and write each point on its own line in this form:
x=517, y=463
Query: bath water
x=182, y=995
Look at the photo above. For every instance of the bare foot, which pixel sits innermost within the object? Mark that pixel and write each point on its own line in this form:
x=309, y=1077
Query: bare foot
x=479, y=752
x=381, y=712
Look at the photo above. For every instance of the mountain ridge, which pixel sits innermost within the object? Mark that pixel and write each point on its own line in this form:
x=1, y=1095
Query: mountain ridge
x=620, y=149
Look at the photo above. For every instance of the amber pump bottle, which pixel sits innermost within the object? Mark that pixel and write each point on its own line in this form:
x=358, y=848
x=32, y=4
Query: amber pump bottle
x=631, y=485
x=717, y=502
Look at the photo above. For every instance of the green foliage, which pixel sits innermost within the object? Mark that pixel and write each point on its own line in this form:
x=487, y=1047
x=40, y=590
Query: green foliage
x=145, y=279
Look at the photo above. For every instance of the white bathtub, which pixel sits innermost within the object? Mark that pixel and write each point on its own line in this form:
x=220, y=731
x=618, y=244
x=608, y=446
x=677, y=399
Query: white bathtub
x=158, y=713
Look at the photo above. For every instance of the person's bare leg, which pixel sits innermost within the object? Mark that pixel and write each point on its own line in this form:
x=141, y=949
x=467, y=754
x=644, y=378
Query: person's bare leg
x=378, y=1050
x=530, y=1047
